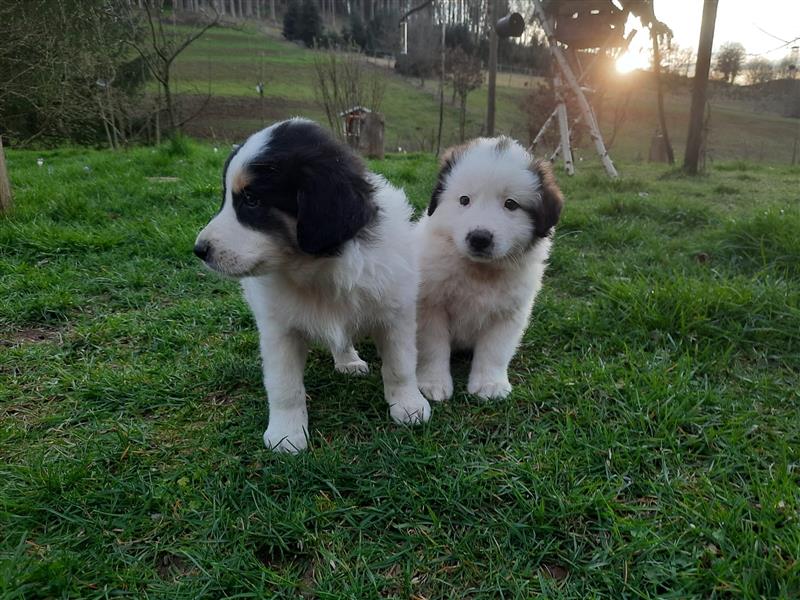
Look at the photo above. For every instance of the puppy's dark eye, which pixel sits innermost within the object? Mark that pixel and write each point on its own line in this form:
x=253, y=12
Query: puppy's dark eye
x=249, y=199
x=511, y=204
x=464, y=200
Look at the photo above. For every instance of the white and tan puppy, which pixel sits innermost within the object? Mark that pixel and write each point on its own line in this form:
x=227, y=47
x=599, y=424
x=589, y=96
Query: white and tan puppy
x=484, y=244
x=324, y=251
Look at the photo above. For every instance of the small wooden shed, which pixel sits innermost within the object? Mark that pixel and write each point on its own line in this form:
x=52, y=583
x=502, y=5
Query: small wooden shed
x=364, y=131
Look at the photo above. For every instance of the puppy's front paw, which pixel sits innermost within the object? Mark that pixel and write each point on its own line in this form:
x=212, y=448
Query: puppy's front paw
x=356, y=367
x=409, y=408
x=280, y=439
x=489, y=388
x=437, y=389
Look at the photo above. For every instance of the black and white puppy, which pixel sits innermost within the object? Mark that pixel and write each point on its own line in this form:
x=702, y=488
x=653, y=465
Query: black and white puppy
x=324, y=251
x=484, y=246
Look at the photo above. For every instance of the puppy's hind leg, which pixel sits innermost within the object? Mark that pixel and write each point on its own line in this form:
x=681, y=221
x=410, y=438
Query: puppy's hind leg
x=348, y=361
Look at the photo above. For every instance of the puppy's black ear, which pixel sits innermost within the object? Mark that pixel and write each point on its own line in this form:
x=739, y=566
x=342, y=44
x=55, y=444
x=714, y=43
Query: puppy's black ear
x=334, y=201
x=450, y=157
x=547, y=213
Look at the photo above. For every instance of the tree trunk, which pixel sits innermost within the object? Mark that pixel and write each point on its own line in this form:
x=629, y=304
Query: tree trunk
x=171, y=120
x=5, y=184
x=699, y=86
x=662, y=118
x=441, y=92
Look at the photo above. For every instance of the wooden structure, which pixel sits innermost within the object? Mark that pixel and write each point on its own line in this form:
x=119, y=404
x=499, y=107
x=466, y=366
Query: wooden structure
x=363, y=131
x=370, y=143
x=352, y=119
x=571, y=26
x=5, y=184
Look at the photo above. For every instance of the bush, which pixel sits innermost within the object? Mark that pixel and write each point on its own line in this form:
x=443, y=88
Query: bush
x=421, y=66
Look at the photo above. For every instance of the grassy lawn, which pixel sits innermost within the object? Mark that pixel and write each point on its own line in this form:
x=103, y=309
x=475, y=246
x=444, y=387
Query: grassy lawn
x=650, y=447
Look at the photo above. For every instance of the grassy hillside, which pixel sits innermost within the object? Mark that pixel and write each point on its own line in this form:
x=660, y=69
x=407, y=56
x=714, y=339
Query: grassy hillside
x=649, y=449
x=227, y=63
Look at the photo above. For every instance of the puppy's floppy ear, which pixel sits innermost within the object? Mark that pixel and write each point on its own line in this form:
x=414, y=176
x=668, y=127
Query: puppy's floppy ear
x=334, y=201
x=547, y=212
x=450, y=157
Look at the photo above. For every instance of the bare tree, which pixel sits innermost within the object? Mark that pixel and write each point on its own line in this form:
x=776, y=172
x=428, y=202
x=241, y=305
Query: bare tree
x=466, y=75
x=730, y=59
x=65, y=71
x=161, y=46
x=759, y=70
x=676, y=60
x=344, y=81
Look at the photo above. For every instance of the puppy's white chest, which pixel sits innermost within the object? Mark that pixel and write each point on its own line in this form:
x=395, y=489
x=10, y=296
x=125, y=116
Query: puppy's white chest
x=476, y=298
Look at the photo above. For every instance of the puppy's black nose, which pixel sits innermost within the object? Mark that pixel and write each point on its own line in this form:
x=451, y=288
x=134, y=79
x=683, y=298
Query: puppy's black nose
x=201, y=250
x=479, y=239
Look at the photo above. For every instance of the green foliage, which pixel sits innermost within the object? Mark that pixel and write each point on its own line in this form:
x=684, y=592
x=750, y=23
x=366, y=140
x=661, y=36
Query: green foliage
x=178, y=146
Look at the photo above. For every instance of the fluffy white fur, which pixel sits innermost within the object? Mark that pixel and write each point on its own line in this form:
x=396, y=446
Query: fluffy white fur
x=368, y=288
x=480, y=301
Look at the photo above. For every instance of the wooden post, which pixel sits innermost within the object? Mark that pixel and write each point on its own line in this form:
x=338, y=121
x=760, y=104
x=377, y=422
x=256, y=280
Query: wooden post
x=490, y=103
x=5, y=184
x=662, y=118
x=370, y=142
x=699, y=87
x=583, y=103
x=563, y=126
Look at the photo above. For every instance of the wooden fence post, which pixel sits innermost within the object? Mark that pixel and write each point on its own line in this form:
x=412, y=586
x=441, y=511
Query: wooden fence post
x=5, y=184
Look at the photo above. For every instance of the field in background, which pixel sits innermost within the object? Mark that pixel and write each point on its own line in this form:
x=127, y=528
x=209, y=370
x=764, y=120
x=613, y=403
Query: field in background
x=649, y=449
x=228, y=63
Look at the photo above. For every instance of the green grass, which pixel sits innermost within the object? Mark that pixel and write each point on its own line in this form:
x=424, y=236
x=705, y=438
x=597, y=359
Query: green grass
x=649, y=449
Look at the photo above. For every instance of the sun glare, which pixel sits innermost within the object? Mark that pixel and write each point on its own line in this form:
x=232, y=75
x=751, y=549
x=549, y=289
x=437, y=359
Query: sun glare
x=637, y=55
x=630, y=61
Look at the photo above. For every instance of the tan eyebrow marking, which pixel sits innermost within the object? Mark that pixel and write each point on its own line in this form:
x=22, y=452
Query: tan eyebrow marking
x=240, y=180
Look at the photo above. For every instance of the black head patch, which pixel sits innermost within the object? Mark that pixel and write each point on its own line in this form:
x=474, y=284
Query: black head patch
x=449, y=159
x=303, y=172
x=546, y=214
